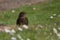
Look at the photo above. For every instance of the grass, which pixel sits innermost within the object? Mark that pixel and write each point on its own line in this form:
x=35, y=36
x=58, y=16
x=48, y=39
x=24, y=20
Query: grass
x=39, y=16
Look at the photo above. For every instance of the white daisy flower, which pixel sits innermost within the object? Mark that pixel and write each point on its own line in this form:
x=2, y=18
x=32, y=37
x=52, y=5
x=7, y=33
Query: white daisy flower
x=58, y=35
x=58, y=15
x=55, y=31
x=21, y=39
x=12, y=32
x=59, y=28
x=54, y=14
x=13, y=38
x=25, y=26
x=28, y=39
x=19, y=36
x=13, y=11
x=40, y=26
x=51, y=17
x=6, y=30
x=20, y=29
x=34, y=8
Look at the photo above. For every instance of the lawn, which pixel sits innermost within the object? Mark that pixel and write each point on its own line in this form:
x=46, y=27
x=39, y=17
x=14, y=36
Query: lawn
x=46, y=14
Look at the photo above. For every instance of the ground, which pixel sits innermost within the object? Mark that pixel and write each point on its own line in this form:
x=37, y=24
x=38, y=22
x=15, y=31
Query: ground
x=12, y=4
x=46, y=15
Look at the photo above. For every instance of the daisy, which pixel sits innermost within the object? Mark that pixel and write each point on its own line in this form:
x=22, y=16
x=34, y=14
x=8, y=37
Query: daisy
x=20, y=29
x=12, y=32
x=59, y=28
x=19, y=36
x=51, y=17
x=54, y=14
x=58, y=15
x=6, y=30
x=34, y=8
x=54, y=30
x=28, y=39
x=25, y=26
x=58, y=35
x=22, y=39
x=13, y=11
x=40, y=26
x=13, y=38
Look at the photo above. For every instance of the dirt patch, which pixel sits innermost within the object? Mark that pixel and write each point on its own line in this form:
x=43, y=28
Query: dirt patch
x=9, y=27
x=11, y=4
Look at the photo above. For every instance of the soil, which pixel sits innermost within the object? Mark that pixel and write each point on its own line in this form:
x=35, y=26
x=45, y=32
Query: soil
x=11, y=4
